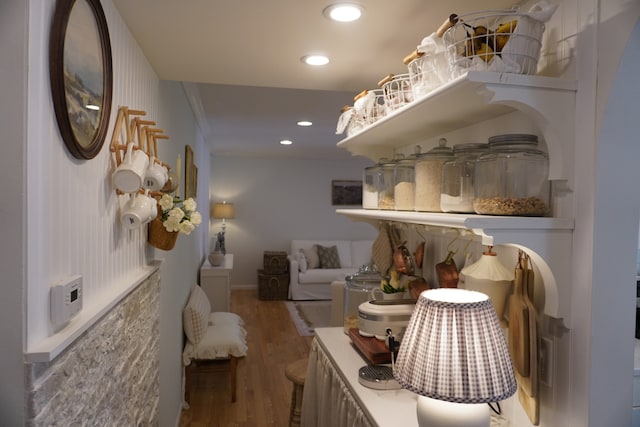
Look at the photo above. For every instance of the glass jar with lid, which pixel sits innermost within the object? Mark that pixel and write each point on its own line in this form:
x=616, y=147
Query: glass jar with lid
x=428, y=176
x=512, y=178
x=457, y=178
x=404, y=183
x=357, y=290
x=370, y=184
x=385, y=185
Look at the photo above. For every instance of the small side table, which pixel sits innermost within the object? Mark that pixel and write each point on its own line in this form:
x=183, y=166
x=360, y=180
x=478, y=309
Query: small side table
x=216, y=283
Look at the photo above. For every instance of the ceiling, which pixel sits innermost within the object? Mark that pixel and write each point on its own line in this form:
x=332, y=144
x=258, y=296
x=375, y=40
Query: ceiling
x=240, y=60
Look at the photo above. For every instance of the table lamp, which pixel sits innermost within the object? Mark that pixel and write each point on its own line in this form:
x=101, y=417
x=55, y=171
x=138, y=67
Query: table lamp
x=223, y=211
x=454, y=355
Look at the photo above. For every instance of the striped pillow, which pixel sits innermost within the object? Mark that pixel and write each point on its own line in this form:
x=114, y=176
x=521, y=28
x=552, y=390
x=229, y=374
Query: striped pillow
x=195, y=317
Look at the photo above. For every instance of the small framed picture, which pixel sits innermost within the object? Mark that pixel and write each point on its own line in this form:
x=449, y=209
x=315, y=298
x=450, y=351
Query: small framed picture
x=346, y=193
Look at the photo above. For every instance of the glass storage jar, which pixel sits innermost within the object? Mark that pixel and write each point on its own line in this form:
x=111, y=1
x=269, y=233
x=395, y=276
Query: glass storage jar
x=385, y=185
x=357, y=290
x=428, y=176
x=370, y=183
x=512, y=178
x=404, y=184
x=457, y=178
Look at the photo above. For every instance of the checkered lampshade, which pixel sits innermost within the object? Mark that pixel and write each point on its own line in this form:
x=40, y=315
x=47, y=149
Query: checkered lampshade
x=454, y=349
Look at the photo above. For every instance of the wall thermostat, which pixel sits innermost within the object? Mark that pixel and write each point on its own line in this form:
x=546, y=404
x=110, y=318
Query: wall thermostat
x=66, y=299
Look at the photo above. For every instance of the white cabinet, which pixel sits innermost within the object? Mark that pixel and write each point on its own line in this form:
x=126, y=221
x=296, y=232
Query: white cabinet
x=470, y=99
x=216, y=283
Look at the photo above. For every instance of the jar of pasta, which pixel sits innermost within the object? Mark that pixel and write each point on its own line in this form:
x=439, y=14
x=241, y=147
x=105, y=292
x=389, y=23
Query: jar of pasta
x=457, y=178
x=370, y=183
x=512, y=178
x=404, y=184
x=386, y=185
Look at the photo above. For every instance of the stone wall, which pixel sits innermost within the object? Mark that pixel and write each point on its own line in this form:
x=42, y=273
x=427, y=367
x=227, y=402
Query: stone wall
x=109, y=376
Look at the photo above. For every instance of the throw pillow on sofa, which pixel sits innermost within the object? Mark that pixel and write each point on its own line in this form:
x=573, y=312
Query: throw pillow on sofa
x=312, y=257
x=328, y=257
x=302, y=262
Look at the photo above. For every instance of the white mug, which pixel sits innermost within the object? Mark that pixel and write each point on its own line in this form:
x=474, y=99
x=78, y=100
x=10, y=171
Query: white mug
x=155, y=176
x=128, y=177
x=139, y=209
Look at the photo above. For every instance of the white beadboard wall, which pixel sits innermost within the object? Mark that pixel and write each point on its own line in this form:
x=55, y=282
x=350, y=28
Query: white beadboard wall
x=73, y=225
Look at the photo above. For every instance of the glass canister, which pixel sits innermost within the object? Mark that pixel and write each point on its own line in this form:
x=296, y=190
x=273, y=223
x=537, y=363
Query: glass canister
x=428, y=176
x=404, y=184
x=457, y=178
x=370, y=183
x=358, y=290
x=386, y=185
x=512, y=178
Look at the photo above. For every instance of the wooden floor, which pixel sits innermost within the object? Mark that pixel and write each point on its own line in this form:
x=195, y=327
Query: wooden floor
x=264, y=393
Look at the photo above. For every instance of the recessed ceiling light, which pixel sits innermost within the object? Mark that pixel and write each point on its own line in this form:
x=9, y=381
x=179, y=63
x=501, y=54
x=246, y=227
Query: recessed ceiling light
x=304, y=123
x=315, y=60
x=343, y=12
x=286, y=142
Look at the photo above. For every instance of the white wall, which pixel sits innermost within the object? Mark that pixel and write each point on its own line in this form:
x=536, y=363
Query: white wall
x=278, y=200
x=63, y=212
x=13, y=86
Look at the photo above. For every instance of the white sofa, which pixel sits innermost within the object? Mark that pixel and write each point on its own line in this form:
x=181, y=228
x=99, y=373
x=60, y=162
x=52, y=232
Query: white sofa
x=315, y=283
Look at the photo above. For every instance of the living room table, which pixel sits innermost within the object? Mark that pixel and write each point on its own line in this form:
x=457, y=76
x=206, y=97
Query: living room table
x=333, y=396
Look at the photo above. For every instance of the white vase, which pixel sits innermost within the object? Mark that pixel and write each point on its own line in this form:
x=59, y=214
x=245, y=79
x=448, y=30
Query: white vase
x=216, y=258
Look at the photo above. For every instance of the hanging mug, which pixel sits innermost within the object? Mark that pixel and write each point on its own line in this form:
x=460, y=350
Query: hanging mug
x=156, y=175
x=128, y=177
x=139, y=210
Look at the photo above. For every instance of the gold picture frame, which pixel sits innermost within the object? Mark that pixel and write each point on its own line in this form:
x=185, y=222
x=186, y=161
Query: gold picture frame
x=190, y=174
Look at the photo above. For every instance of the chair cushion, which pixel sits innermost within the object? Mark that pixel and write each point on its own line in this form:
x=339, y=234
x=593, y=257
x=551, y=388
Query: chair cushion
x=195, y=316
x=328, y=256
x=220, y=341
x=225, y=318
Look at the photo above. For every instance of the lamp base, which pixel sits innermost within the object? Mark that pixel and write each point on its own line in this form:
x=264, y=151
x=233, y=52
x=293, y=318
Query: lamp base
x=438, y=413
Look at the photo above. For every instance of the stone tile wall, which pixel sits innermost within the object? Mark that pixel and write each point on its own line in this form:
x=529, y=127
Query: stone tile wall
x=109, y=376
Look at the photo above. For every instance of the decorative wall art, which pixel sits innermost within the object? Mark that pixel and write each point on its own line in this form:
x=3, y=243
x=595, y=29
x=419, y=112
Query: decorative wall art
x=346, y=193
x=81, y=75
x=190, y=174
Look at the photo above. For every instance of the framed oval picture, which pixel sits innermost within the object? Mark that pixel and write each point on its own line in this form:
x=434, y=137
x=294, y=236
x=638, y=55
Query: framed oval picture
x=81, y=75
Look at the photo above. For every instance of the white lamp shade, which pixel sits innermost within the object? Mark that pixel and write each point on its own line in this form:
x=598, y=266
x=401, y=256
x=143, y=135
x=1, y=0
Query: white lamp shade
x=454, y=349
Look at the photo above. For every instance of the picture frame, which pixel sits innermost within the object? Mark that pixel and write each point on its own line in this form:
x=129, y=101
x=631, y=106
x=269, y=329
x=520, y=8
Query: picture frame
x=346, y=192
x=190, y=174
x=81, y=75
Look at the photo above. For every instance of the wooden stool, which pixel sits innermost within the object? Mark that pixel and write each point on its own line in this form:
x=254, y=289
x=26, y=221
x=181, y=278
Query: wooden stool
x=296, y=372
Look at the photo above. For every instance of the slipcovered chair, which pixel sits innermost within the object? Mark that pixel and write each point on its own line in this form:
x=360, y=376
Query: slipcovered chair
x=212, y=339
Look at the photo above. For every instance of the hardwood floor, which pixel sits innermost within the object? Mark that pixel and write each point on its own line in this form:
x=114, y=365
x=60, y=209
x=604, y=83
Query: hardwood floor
x=264, y=393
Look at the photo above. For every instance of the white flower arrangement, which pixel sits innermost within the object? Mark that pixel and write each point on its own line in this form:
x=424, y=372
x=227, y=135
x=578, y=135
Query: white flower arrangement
x=178, y=215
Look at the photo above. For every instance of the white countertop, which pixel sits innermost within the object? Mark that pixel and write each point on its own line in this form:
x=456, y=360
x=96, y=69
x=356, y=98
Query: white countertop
x=383, y=407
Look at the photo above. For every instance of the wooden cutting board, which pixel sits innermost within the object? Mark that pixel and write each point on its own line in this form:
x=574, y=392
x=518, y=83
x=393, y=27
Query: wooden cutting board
x=373, y=350
x=530, y=383
x=519, y=327
x=528, y=393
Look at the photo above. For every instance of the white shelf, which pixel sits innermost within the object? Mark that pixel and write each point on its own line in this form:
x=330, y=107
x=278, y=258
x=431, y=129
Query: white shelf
x=473, y=98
